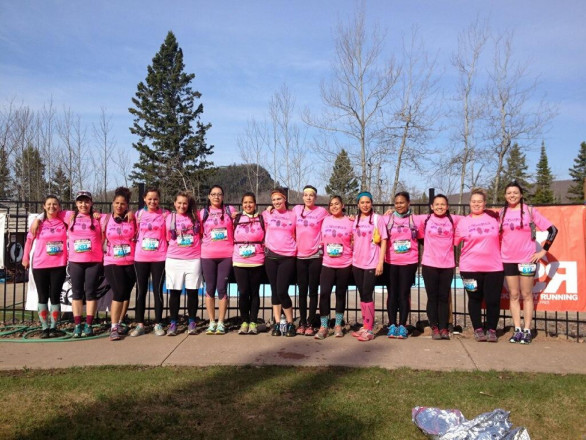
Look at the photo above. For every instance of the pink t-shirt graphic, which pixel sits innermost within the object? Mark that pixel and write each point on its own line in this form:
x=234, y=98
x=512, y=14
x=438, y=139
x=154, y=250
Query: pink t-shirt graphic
x=185, y=242
x=121, y=244
x=336, y=236
x=403, y=232
x=51, y=244
x=516, y=245
x=438, y=245
x=151, y=245
x=84, y=244
x=366, y=254
x=248, y=238
x=308, y=229
x=481, y=250
x=280, y=232
x=218, y=234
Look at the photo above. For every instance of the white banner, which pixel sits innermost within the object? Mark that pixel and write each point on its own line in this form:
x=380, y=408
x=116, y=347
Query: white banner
x=2, y=243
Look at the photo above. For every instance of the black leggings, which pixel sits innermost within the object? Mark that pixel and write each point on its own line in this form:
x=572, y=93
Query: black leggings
x=329, y=277
x=280, y=274
x=308, y=271
x=489, y=287
x=175, y=300
x=248, y=280
x=437, y=285
x=85, y=279
x=365, y=279
x=216, y=273
x=399, y=282
x=49, y=282
x=157, y=270
x=121, y=279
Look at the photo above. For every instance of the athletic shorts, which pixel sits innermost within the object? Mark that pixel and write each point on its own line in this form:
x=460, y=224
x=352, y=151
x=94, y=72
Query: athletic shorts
x=512, y=269
x=183, y=273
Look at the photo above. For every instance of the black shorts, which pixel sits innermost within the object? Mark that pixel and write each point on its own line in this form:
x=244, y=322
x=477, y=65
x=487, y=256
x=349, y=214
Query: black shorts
x=512, y=270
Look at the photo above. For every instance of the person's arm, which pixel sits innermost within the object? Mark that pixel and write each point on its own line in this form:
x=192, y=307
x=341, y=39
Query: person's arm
x=552, y=232
x=381, y=258
x=27, y=251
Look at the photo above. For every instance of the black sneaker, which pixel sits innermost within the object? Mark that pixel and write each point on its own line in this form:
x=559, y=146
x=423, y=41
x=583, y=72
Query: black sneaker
x=46, y=334
x=291, y=330
x=276, y=330
x=526, y=337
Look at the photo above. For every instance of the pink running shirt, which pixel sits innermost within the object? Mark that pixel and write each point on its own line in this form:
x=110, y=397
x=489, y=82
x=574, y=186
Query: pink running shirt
x=403, y=247
x=280, y=232
x=84, y=244
x=218, y=234
x=336, y=236
x=51, y=244
x=516, y=245
x=185, y=243
x=151, y=244
x=366, y=254
x=120, y=241
x=248, y=238
x=438, y=244
x=308, y=229
x=481, y=250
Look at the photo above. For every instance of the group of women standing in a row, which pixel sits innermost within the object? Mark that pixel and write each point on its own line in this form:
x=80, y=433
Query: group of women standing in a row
x=323, y=248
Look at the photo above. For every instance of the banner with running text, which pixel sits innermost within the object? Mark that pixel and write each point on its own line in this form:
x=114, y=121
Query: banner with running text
x=560, y=281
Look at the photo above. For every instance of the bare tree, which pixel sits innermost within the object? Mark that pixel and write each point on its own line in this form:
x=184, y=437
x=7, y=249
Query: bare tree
x=105, y=142
x=47, y=118
x=359, y=92
x=512, y=118
x=123, y=164
x=253, y=146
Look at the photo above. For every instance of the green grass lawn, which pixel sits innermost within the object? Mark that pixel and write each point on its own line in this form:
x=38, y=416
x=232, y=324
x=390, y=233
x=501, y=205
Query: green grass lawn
x=274, y=402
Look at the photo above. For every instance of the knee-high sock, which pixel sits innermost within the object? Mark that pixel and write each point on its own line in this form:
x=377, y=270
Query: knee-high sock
x=363, y=310
x=55, y=312
x=369, y=315
x=43, y=315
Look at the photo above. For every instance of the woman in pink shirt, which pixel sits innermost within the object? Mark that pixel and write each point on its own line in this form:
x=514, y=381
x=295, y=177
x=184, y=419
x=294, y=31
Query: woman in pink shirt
x=149, y=259
x=336, y=238
x=438, y=263
x=518, y=223
x=248, y=260
x=280, y=252
x=217, y=247
x=370, y=244
x=49, y=263
x=183, y=263
x=309, y=257
x=119, y=234
x=401, y=260
x=481, y=265
x=86, y=255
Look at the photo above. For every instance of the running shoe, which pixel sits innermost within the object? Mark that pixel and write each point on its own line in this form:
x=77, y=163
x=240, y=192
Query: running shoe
x=491, y=336
x=479, y=335
x=122, y=329
x=290, y=330
x=114, y=335
x=252, y=328
x=220, y=329
x=358, y=332
x=45, y=334
x=309, y=331
x=137, y=331
x=301, y=329
x=54, y=333
x=159, y=330
x=393, y=331
x=77, y=331
x=517, y=336
x=445, y=334
x=526, y=337
x=435, y=334
x=338, y=331
x=367, y=335
x=322, y=333
x=211, y=328
x=191, y=330
x=172, y=330
x=244, y=329
x=402, y=332
x=276, y=329
x=88, y=331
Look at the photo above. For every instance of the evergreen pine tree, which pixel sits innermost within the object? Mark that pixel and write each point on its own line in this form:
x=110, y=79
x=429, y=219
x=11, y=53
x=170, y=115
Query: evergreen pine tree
x=30, y=171
x=60, y=185
x=343, y=181
x=515, y=169
x=578, y=173
x=5, y=178
x=542, y=189
x=172, y=153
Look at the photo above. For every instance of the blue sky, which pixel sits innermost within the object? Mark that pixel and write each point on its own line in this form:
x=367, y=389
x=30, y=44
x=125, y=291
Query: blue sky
x=87, y=55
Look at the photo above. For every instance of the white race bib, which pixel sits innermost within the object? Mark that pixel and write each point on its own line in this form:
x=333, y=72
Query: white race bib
x=54, y=247
x=402, y=246
x=120, y=250
x=83, y=245
x=247, y=250
x=527, y=269
x=471, y=285
x=150, y=244
x=185, y=240
x=218, y=234
x=334, y=250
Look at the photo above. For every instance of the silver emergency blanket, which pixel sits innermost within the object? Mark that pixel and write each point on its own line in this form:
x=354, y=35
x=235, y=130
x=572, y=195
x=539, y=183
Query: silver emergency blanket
x=450, y=424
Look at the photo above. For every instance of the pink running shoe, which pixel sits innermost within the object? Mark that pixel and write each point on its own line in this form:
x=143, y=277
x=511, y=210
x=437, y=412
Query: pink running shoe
x=367, y=335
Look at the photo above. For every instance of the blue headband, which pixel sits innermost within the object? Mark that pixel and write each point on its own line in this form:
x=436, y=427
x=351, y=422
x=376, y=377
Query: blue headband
x=362, y=194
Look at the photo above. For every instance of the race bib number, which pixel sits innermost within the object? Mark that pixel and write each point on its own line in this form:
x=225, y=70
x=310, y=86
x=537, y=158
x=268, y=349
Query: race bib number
x=82, y=245
x=334, y=250
x=121, y=250
x=247, y=250
x=150, y=244
x=54, y=248
x=527, y=269
x=470, y=285
x=401, y=246
x=185, y=240
x=218, y=234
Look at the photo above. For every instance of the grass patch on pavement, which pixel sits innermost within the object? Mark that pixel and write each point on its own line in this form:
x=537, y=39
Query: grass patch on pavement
x=274, y=402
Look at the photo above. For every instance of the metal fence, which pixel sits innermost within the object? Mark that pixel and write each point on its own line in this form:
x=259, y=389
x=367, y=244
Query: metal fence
x=14, y=284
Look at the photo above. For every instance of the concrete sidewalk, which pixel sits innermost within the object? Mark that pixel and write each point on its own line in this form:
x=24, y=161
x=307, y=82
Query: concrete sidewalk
x=548, y=355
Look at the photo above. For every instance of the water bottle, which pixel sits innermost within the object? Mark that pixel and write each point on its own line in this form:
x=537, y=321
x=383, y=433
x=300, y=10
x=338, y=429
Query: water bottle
x=283, y=325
